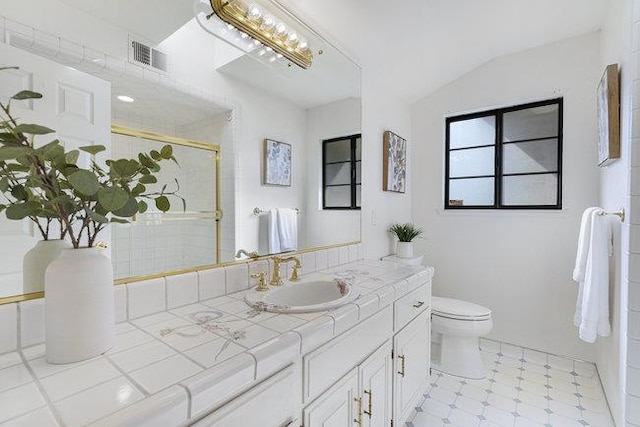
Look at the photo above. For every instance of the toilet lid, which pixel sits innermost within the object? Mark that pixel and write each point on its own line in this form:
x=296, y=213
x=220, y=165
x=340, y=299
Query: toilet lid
x=456, y=309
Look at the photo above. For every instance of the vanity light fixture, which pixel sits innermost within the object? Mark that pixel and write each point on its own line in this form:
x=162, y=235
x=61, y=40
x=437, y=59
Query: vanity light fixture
x=254, y=26
x=125, y=98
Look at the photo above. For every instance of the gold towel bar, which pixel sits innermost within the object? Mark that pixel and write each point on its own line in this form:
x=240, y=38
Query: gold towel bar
x=620, y=214
x=258, y=211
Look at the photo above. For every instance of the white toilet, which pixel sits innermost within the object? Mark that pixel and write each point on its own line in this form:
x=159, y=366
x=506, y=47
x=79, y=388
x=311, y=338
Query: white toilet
x=455, y=328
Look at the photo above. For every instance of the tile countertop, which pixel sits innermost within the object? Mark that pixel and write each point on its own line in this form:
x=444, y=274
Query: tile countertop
x=178, y=364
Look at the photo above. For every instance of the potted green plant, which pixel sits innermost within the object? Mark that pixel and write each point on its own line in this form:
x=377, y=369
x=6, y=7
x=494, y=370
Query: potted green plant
x=405, y=234
x=45, y=183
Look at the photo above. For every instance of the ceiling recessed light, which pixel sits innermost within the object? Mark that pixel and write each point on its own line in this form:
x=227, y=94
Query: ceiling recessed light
x=125, y=98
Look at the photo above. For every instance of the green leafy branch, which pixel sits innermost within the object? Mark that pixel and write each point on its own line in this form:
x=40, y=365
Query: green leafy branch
x=47, y=184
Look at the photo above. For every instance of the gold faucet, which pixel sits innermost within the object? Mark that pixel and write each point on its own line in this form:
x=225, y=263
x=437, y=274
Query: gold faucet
x=262, y=281
x=253, y=254
x=276, y=280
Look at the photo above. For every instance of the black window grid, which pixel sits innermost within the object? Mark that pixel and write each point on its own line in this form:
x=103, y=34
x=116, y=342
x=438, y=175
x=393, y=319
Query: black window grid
x=498, y=160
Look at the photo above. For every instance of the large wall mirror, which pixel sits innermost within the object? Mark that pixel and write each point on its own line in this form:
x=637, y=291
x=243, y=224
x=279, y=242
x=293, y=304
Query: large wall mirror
x=208, y=91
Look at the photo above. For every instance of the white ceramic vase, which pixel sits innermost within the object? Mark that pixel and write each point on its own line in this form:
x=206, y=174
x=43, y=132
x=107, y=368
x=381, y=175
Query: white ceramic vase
x=79, y=312
x=405, y=250
x=36, y=261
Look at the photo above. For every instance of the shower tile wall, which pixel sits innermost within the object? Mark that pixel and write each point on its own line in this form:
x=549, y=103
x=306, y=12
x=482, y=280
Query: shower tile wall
x=160, y=246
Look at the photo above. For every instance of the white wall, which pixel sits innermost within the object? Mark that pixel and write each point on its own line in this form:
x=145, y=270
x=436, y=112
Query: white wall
x=337, y=119
x=380, y=112
x=516, y=263
x=610, y=351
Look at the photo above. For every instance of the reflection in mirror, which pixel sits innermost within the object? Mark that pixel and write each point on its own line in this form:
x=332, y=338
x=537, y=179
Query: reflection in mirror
x=209, y=92
x=178, y=239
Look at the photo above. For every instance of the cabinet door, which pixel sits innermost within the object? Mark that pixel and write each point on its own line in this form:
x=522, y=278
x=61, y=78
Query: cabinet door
x=337, y=407
x=269, y=404
x=411, y=365
x=375, y=388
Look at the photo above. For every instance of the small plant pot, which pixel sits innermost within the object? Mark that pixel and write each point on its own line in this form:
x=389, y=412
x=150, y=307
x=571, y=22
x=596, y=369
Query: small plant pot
x=405, y=250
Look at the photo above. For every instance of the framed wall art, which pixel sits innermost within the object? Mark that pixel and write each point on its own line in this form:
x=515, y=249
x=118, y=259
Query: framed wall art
x=277, y=163
x=609, y=116
x=394, y=166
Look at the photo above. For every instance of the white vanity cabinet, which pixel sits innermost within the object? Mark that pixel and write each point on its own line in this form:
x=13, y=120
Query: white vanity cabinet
x=360, y=398
x=411, y=348
x=273, y=402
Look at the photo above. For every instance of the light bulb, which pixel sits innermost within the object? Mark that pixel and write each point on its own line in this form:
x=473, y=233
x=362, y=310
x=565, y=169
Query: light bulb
x=268, y=22
x=269, y=49
x=279, y=56
x=230, y=27
x=292, y=38
x=281, y=30
x=272, y=58
x=302, y=44
x=257, y=42
x=254, y=13
x=244, y=35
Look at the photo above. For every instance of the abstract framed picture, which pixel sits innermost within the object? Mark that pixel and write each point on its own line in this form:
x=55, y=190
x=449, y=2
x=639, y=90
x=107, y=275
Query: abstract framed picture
x=609, y=116
x=277, y=163
x=394, y=167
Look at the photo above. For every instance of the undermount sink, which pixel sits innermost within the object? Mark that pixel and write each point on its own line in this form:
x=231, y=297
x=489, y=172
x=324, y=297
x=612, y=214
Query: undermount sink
x=304, y=296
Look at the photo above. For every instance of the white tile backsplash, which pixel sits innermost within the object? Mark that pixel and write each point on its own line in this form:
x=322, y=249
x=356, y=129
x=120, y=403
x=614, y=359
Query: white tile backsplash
x=211, y=283
x=31, y=322
x=308, y=261
x=182, y=289
x=333, y=257
x=146, y=297
x=120, y=303
x=236, y=277
x=9, y=329
x=322, y=260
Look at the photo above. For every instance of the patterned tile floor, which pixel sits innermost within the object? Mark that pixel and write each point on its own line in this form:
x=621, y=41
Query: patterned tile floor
x=523, y=388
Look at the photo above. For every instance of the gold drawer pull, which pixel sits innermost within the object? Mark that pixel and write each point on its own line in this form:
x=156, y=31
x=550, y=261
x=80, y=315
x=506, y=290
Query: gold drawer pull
x=359, y=415
x=418, y=304
x=401, y=357
x=369, y=411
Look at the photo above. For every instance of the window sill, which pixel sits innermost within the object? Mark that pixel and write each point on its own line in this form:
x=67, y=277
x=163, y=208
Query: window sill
x=505, y=213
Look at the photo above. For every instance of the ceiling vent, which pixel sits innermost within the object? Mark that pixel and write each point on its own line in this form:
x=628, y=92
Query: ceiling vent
x=145, y=55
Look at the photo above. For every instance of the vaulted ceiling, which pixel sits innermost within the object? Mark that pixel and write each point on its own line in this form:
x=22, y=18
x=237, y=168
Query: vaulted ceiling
x=415, y=46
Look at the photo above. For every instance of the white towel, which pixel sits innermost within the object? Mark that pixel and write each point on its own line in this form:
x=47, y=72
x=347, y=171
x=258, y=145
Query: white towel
x=583, y=243
x=274, y=232
x=288, y=229
x=592, y=307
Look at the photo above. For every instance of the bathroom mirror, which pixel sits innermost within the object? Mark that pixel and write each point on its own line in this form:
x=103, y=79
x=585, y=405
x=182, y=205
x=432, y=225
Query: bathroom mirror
x=209, y=93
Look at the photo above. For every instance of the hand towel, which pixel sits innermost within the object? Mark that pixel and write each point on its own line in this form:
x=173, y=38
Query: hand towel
x=274, y=232
x=288, y=229
x=592, y=306
x=583, y=243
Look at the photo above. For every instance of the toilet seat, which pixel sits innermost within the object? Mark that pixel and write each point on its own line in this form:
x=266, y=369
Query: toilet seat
x=450, y=308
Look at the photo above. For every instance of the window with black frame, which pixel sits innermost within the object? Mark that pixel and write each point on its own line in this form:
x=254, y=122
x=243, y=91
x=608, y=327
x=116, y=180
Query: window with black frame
x=341, y=166
x=507, y=158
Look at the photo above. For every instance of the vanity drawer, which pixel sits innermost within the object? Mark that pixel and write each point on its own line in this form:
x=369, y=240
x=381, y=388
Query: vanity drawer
x=411, y=305
x=331, y=361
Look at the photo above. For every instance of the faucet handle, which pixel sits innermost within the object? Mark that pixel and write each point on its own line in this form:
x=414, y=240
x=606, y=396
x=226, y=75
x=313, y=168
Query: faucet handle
x=294, y=274
x=262, y=281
